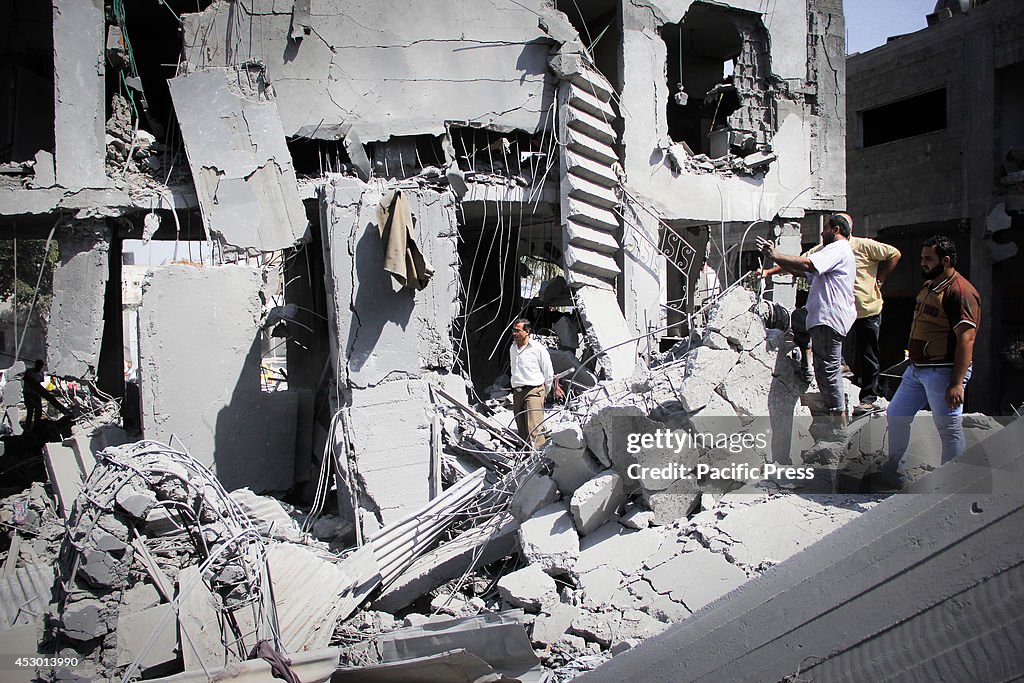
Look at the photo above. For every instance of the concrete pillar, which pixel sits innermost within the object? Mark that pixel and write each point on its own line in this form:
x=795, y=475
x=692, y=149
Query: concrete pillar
x=75, y=329
x=643, y=270
x=78, y=77
x=783, y=285
x=979, y=190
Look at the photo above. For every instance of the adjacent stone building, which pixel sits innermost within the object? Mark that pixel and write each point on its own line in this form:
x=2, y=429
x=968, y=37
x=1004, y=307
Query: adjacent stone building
x=936, y=146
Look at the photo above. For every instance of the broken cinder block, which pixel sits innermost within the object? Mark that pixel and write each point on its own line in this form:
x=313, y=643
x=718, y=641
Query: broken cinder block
x=529, y=588
x=549, y=540
x=534, y=493
x=596, y=500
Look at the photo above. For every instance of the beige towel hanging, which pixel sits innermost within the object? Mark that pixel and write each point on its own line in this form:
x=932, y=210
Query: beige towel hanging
x=402, y=258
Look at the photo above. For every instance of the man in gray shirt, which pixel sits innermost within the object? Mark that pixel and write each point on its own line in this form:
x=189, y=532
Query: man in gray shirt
x=831, y=309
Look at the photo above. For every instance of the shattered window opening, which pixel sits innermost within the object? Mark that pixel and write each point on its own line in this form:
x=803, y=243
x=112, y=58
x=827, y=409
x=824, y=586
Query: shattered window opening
x=924, y=113
x=514, y=154
x=717, y=70
x=405, y=156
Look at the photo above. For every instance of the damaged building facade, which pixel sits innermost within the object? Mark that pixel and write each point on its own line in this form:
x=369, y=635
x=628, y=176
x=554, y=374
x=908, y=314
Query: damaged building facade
x=604, y=156
x=382, y=190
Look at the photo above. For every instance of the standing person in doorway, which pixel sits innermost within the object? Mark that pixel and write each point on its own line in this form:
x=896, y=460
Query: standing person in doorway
x=532, y=378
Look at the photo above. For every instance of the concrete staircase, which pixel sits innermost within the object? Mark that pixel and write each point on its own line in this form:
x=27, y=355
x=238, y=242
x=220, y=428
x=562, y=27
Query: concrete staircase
x=591, y=227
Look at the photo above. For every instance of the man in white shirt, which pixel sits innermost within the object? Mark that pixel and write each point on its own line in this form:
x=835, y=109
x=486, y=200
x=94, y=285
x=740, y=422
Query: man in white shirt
x=831, y=308
x=532, y=378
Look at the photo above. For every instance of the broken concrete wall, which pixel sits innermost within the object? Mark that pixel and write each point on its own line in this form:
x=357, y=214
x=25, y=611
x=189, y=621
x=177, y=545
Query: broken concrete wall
x=388, y=68
x=385, y=334
x=76, y=315
x=828, y=73
x=711, y=196
x=206, y=394
x=792, y=126
x=387, y=340
x=240, y=163
x=79, y=93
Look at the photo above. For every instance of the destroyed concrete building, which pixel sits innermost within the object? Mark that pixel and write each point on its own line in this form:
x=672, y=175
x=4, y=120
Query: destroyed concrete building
x=382, y=190
x=935, y=147
x=519, y=157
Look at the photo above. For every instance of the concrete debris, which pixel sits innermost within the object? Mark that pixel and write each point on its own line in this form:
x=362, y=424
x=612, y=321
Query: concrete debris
x=533, y=494
x=637, y=518
x=135, y=627
x=573, y=467
x=552, y=624
x=101, y=569
x=85, y=619
x=594, y=502
x=705, y=370
x=709, y=574
x=549, y=539
x=529, y=588
x=134, y=502
x=619, y=548
x=599, y=585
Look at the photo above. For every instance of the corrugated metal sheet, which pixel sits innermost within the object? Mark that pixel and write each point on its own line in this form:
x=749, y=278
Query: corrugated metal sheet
x=309, y=592
x=24, y=596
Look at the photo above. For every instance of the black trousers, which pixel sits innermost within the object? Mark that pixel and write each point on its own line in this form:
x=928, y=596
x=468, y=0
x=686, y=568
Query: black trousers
x=865, y=363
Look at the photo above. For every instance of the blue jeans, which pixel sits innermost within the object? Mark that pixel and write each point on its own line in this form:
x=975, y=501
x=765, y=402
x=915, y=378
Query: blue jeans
x=920, y=388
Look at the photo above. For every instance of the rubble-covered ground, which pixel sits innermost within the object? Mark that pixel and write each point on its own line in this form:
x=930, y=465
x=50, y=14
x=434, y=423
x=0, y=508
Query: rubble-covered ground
x=132, y=561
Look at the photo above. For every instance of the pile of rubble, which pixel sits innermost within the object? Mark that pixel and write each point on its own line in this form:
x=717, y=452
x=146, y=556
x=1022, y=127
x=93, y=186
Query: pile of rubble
x=529, y=565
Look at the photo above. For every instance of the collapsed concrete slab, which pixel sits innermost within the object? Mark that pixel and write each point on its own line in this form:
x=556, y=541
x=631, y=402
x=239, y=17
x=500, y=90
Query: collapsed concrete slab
x=240, y=163
x=708, y=576
x=209, y=396
x=619, y=548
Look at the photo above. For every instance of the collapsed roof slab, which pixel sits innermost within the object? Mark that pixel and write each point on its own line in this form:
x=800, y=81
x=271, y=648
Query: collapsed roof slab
x=240, y=163
x=200, y=357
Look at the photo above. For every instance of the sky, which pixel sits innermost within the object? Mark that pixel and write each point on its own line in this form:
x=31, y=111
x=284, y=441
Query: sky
x=870, y=22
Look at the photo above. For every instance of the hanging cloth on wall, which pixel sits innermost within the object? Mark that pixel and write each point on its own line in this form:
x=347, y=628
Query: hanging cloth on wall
x=402, y=258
